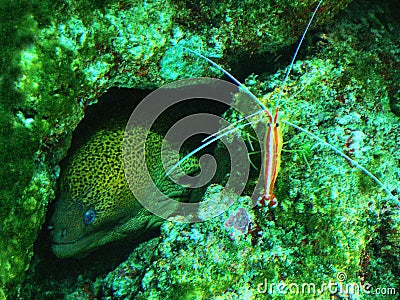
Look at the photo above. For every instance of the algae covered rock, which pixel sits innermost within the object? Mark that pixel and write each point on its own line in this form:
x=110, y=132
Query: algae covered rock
x=59, y=57
x=334, y=230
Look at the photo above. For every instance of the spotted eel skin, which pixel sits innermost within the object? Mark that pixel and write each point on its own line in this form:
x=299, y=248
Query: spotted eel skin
x=95, y=205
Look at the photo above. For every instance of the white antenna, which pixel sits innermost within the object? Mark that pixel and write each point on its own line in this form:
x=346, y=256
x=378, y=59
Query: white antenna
x=242, y=86
x=337, y=151
x=214, y=137
x=295, y=54
x=225, y=131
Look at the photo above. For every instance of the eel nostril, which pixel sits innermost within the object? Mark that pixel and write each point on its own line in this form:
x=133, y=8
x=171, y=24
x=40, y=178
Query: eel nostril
x=63, y=232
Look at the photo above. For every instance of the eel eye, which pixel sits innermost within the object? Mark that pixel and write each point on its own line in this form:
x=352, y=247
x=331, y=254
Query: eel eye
x=89, y=216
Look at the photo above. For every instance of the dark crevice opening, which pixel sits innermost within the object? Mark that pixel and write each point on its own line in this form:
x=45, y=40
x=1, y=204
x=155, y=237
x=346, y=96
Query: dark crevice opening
x=47, y=271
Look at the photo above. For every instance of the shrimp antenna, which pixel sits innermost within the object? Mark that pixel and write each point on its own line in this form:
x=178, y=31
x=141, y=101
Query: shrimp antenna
x=225, y=131
x=209, y=140
x=295, y=54
x=340, y=153
x=214, y=137
x=241, y=85
x=231, y=128
x=202, y=146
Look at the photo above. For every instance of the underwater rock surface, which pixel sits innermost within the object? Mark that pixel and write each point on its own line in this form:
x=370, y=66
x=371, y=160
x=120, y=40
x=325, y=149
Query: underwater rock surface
x=61, y=56
x=66, y=54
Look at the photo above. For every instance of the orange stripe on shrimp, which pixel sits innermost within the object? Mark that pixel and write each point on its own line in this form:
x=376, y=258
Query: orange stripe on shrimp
x=272, y=159
x=273, y=139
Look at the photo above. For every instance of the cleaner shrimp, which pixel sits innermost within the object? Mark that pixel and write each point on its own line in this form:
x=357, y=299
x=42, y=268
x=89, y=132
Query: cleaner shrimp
x=273, y=141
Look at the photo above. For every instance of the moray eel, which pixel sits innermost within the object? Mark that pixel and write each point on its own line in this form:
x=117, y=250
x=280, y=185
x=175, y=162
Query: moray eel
x=95, y=206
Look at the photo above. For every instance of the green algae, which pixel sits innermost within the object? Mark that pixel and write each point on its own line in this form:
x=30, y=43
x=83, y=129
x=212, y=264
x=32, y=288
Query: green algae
x=70, y=56
x=267, y=26
x=331, y=219
x=19, y=143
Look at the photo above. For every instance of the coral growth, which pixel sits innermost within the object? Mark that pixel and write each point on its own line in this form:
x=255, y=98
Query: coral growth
x=61, y=56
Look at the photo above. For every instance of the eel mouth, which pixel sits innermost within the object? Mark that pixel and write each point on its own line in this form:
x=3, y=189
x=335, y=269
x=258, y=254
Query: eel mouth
x=82, y=247
x=126, y=226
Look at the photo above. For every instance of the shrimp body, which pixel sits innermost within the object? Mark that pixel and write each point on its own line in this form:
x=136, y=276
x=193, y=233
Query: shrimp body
x=272, y=160
x=273, y=138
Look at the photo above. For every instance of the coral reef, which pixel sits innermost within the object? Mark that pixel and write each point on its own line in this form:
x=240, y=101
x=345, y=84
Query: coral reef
x=187, y=259
x=63, y=55
x=333, y=225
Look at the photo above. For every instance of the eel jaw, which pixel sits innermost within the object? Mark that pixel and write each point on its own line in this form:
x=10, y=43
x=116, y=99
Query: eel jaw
x=82, y=247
